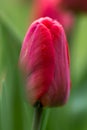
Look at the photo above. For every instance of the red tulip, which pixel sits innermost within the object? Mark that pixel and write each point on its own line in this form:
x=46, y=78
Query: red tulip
x=52, y=9
x=75, y=5
x=44, y=59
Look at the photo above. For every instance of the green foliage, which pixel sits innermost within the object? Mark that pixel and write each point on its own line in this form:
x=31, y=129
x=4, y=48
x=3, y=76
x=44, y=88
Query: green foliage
x=15, y=112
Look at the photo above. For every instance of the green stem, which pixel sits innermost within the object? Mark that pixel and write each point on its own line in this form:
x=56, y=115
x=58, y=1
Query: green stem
x=45, y=118
x=37, y=117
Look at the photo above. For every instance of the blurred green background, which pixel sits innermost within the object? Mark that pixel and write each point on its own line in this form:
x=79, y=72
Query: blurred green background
x=15, y=112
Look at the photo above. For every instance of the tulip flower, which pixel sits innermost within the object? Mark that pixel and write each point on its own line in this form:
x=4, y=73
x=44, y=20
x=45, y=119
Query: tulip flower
x=44, y=60
x=75, y=5
x=52, y=9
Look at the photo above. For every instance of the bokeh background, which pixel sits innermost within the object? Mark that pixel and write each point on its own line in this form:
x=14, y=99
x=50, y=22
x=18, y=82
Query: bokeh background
x=15, y=111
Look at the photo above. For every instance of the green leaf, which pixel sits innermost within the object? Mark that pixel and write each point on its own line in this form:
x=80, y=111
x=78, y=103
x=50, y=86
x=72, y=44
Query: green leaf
x=79, y=50
x=13, y=108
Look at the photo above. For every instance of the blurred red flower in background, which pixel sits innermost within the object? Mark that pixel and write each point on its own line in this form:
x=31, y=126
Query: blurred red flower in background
x=52, y=9
x=44, y=59
x=75, y=5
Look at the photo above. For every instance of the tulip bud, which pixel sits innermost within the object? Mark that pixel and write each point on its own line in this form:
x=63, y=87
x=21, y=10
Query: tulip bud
x=44, y=60
x=75, y=5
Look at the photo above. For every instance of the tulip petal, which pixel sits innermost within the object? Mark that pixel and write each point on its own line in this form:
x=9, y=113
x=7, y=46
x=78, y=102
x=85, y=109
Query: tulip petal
x=59, y=89
x=41, y=63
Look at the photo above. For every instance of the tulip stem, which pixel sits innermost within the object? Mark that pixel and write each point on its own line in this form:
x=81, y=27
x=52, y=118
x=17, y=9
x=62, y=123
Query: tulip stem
x=37, y=117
